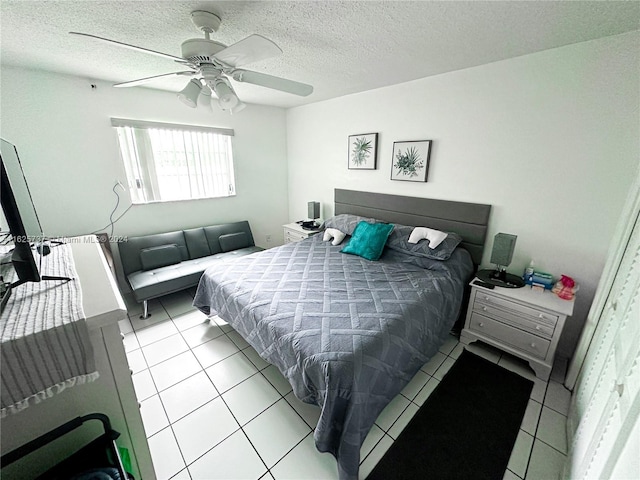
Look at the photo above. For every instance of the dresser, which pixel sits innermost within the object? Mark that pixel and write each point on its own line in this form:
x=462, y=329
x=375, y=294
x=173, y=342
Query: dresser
x=112, y=393
x=521, y=321
x=294, y=232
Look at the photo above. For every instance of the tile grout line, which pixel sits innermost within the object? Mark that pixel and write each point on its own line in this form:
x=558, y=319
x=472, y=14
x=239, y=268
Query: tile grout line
x=285, y=455
x=396, y=420
x=535, y=435
x=372, y=449
x=313, y=428
x=551, y=446
x=254, y=449
x=151, y=325
x=554, y=410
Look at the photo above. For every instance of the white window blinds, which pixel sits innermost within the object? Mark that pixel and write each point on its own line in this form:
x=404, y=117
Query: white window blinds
x=166, y=162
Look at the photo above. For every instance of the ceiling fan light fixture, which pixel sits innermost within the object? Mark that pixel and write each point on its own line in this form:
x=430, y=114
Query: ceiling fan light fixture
x=204, y=99
x=238, y=108
x=227, y=98
x=212, y=64
x=189, y=94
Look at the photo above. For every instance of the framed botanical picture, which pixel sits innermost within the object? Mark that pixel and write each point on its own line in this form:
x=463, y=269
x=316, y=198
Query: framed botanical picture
x=411, y=160
x=363, y=151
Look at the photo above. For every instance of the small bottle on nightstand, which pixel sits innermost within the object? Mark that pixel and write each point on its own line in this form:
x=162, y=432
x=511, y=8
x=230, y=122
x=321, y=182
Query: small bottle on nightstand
x=528, y=273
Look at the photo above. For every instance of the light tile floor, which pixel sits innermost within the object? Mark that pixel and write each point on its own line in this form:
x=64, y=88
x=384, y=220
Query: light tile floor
x=213, y=409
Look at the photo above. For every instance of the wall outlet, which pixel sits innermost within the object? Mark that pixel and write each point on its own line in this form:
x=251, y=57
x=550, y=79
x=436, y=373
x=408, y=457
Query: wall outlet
x=268, y=238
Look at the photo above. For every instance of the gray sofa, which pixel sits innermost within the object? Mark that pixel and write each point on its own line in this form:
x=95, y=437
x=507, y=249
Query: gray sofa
x=163, y=263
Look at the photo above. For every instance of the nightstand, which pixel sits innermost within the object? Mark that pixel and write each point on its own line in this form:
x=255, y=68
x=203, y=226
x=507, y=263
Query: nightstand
x=521, y=321
x=294, y=232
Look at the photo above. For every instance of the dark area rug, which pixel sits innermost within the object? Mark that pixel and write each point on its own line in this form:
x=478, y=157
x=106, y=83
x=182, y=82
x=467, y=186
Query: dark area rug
x=466, y=429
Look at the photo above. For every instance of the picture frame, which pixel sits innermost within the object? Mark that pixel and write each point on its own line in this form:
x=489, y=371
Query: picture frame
x=410, y=161
x=363, y=151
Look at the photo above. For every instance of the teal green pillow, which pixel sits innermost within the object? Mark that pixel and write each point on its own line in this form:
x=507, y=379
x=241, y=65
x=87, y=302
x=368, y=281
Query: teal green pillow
x=368, y=240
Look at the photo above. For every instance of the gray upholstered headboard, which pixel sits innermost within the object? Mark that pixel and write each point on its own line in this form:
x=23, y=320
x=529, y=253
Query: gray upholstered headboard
x=469, y=220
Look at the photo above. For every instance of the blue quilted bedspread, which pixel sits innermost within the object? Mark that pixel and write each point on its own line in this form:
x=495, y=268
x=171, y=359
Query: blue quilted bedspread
x=347, y=333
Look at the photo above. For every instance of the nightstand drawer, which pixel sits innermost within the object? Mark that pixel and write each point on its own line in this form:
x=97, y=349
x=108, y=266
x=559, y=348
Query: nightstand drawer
x=516, y=308
x=514, y=318
x=291, y=236
x=293, y=232
x=519, y=339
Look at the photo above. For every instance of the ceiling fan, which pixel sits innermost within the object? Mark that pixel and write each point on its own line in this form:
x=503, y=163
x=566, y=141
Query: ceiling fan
x=211, y=65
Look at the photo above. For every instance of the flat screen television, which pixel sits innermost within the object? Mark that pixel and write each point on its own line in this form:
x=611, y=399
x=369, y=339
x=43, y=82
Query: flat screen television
x=20, y=229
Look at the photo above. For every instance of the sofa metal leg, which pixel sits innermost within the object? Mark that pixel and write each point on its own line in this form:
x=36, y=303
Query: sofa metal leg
x=145, y=310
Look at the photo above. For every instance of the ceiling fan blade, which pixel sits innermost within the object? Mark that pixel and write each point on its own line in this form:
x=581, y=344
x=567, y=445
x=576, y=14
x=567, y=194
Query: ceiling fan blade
x=270, y=81
x=140, y=81
x=252, y=49
x=132, y=47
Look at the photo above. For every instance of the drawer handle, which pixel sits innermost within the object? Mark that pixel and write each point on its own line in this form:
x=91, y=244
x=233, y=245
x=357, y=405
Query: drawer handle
x=538, y=327
x=484, y=309
x=481, y=324
x=533, y=345
x=486, y=298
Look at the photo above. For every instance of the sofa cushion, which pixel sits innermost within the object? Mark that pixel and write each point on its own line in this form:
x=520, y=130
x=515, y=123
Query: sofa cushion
x=160, y=256
x=214, y=232
x=129, y=250
x=198, y=265
x=196, y=243
x=239, y=253
x=201, y=264
x=161, y=281
x=233, y=241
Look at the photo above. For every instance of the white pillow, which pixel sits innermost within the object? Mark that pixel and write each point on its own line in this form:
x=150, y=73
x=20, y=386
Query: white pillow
x=435, y=237
x=334, y=233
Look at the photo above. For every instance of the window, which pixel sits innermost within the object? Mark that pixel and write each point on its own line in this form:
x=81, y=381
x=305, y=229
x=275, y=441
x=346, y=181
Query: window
x=166, y=162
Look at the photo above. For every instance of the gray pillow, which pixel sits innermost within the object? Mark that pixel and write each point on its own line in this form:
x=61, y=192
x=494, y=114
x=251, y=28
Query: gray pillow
x=346, y=222
x=160, y=256
x=399, y=241
x=233, y=241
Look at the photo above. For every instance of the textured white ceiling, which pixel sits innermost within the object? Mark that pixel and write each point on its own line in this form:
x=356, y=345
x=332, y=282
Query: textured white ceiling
x=339, y=47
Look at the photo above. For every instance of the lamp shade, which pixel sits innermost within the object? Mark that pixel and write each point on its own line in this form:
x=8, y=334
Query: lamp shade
x=227, y=98
x=501, y=254
x=503, y=247
x=204, y=99
x=189, y=94
x=313, y=210
x=239, y=107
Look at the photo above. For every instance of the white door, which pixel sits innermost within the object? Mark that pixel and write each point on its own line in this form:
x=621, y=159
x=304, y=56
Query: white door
x=603, y=427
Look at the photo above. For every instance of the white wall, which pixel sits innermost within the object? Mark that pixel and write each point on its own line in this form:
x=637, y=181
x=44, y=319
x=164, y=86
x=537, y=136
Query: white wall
x=69, y=152
x=549, y=139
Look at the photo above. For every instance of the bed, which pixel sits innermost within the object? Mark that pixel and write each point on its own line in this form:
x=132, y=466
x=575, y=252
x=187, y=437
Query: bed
x=349, y=333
